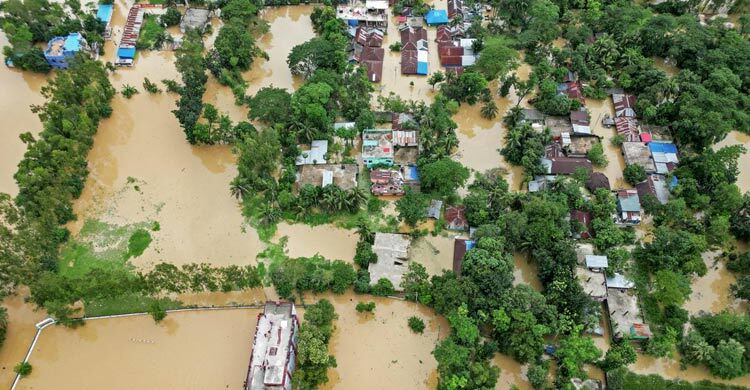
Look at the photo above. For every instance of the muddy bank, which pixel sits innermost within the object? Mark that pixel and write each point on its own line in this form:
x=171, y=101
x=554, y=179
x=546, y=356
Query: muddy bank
x=20, y=91
x=328, y=241
x=200, y=350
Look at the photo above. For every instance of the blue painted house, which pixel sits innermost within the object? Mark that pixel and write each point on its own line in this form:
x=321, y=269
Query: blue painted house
x=61, y=49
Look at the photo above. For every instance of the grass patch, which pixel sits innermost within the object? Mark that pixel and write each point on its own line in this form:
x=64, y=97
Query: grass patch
x=129, y=303
x=138, y=242
x=98, y=245
x=151, y=32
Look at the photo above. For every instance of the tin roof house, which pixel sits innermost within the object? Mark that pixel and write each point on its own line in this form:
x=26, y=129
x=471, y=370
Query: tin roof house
x=392, y=251
x=61, y=49
x=628, y=207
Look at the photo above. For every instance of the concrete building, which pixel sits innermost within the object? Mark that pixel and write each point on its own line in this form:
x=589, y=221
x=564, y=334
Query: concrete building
x=104, y=15
x=392, y=251
x=371, y=14
x=315, y=155
x=343, y=176
x=194, y=19
x=61, y=49
x=377, y=147
x=638, y=153
x=625, y=315
x=274, y=348
x=593, y=283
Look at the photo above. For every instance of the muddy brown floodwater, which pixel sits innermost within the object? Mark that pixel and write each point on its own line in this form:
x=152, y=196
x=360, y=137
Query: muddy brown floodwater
x=435, y=253
x=328, y=241
x=21, y=330
x=598, y=109
x=737, y=138
x=19, y=91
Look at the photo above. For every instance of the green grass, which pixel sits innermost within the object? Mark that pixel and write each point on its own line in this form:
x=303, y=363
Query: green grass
x=131, y=303
x=101, y=245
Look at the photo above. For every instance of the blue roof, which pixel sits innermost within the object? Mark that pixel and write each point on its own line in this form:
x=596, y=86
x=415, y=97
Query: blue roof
x=104, y=13
x=663, y=147
x=422, y=68
x=72, y=42
x=631, y=203
x=470, y=244
x=126, y=52
x=673, y=184
x=436, y=16
x=353, y=22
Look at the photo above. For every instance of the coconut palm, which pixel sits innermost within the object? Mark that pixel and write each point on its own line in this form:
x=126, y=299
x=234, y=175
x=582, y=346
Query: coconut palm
x=489, y=110
x=239, y=188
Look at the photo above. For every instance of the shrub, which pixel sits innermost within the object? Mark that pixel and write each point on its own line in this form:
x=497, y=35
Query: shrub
x=23, y=369
x=150, y=87
x=382, y=288
x=128, y=91
x=416, y=324
x=139, y=241
x=157, y=311
x=634, y=174
x=368, y=307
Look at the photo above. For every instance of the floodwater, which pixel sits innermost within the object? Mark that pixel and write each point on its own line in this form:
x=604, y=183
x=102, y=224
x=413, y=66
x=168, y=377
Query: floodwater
x=378, y=350
x=668, y=68
x=328, y=241
x=670, y=368
x=511, y=373
x=598, y=109
x=711, y=293
x=435, y=253
x=525, y=272
x=20, y=91
x=737, y=138
x=21, y=320
x=188, y=350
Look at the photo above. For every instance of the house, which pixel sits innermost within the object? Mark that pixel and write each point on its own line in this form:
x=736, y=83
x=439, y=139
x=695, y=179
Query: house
x=593, y=283
x=386, y=182
x=573, y=90
x=638, y=153
x=619, y=281
x=455, y=218
x=410, y=175
x=596, y=263
x=274, y=353
x=625, y=315
x=392, y=251
x=436, y=17
x=369, y=36
x=104, y=15
x=578, y=145
x=558, y=125
x=194, y=19
x=408, y=61
x=377, y=147
x=628, y=207
x=405, y=138
x=597, y=180
x=533, y=116
x=455, y=8
x=460, y=247
x=566, y=165
x=628, y=128
x=371, y=14
x=581, y=122
x=435, y=209
x=316, y=154
x=664, y=155
x=624, y=105
x=583, y=219
x=62, y=49
x=654, y=185
x=343, y=176
x=131, y=31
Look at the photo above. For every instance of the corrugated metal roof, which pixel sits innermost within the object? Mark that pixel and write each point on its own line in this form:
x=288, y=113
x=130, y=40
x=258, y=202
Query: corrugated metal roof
x=596, y=261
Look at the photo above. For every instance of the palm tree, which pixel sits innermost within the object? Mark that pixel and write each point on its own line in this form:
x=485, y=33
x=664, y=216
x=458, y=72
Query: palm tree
x=355, y=198
x=239, y=188
x=514, y=115
x=489, y=110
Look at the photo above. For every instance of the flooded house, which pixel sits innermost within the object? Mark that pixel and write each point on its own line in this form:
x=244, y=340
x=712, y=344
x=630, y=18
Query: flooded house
x=315, y=155
x=627, y=128
x=664, y=155
x=405, y=142
x=573, y=90
x=581, y=121
x=435, y=210
x=533, y=116
x=61, y=49
x=371, y=13
x=578, y=144
x=625, y=317
x=455, y=8
x=385, y=182
x=558, y=125
x=455, y=218
x=194, y=19
x=272, y=361
x=593, y=283
x=582, y=219
x=541, y=183
x=597, y=180
x=566, y=165
x=628, y=207
x=367, y=50
x=377, y=147
x=132, y=30
x=414, y=50
x=436, y=17
x=624, y=105
x=392, y=251
x=656, y=186
x=343, y=176
x=460, y=247
x=638, y=153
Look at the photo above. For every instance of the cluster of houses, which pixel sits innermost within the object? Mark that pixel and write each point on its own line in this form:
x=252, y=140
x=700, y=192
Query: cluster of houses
x=414, y=49
x=455, y=48
x=61, y=49
x=366, y=49
x=371, y=13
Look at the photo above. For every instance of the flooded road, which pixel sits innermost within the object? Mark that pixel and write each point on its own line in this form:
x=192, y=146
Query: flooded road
x=711, y=293
x=738, y=138
x=20, y=91
x=21, y=330
x=187, y=350
x=328, y=241
x=598, y=109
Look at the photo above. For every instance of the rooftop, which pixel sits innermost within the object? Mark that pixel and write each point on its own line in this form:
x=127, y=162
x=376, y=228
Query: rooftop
x=392, y=251
x=624, y=105
x=455, y=218
x=623, y=311
x=315, y=155
x=619, y=281
x=558, y=125
x=273, y=348
x=638, y=153
x=460, y=247
x=343, y=176
x=596, y=261
x=597, y=180
x=377, y=143
x=656, y=186
x=592, y=282
x=628, y=201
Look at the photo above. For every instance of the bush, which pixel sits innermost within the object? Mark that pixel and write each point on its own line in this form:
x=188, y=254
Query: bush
x=139, y=241
x=23, y=369
x=171, y=18
x=416, y=324
x=150, y=87
x=395, y=46
x=597, y=156
x=368, y=307
x=382, y=288
x=634, y=174
x=157, y=311
x=128, y=91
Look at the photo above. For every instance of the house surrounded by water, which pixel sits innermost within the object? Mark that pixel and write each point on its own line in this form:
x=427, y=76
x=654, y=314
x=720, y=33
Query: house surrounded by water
x=274, y=348
x=61, y=49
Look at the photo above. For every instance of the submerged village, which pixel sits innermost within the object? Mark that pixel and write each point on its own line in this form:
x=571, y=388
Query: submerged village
x=379, y=194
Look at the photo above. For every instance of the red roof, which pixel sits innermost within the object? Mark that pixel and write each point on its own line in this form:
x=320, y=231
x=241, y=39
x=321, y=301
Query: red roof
x=374, y=70
x=373, y=54
x=455, y=216
x=627, y=127
x=409, y=62
x=450, y=60
x=584, y=218
x=645, y=137
x=624, y=105
x=450, y=51
x=568, y=165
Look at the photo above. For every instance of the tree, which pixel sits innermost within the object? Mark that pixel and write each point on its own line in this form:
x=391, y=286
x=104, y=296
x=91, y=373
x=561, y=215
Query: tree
x=192, y=67
x=234, y=48
x=238, y=9
x=695, y=350
x=435, y=78
x=23, y=369
x=489, y=109
x=363, y=307
x=416, y=285
x=620, y=354
x=443, y=176
x=497, y=58
x=171, y=18
x=671, y=288
x=597, y=156
x=740, y=220
x=382, y=288
x=574, y=351
x=317, y=53
x=634, y=174
x=416, y=324
x=412, y=207
x=728, y=360
x=157, y=311
x=3, y=325
x=270, y=105
x=464, y=88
